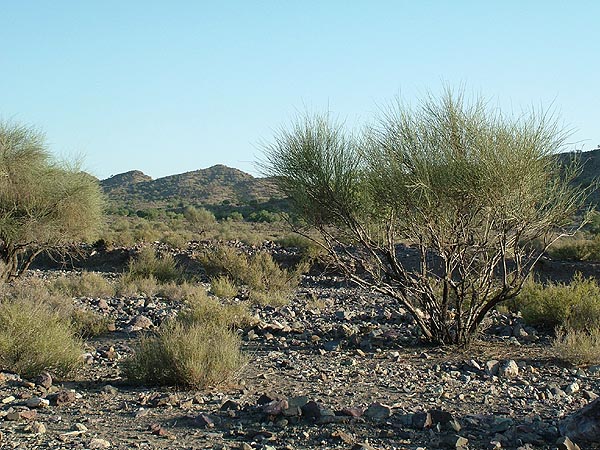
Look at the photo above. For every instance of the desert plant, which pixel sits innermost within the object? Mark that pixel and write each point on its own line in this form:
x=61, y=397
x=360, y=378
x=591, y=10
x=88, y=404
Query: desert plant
x=35, y=337
x=222, y=286
x=45, y=206
x=466, y=186
x=578, y=346
x=574, y=305
x=259, y=272
x=86, y=284
x=148, y=264
x=191, y=356
x=87, y=323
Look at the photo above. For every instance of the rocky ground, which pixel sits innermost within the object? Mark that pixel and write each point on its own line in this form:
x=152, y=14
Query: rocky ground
x=337, y=368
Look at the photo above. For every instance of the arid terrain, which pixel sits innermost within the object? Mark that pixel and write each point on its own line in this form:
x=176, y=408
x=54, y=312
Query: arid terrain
x=336, y=368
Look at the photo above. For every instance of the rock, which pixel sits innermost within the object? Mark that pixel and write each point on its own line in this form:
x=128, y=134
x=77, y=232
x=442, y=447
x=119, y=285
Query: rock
x=508, y=369
x=64, y=397
x=343, y=437
x=352, y=412
x=28, y=414
x=444, y=419
x=110, y=390
x=230, y=405
x=589, y=395
x=564, y=443
x=275, y=407
x=140, y=322
x=37, y=428
x=97, y=443
x=572, y=388
x=44, y=380
x=491, y=367
x=37, y=402
x=331, y=346
x=203, y=421
x=157, y=430
x=378, y=411
x=584, y=424
x=9, y=399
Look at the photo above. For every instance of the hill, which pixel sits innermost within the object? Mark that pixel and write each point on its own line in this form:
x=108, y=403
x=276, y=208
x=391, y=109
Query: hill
x=212, y=186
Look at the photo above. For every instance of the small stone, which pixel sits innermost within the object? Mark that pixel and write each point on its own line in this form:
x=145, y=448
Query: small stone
x=352, y=412
x=275, y=407
x=491, y=367
x=378, y=411
x=203, y=421
x=589, y=395
x=28, y=414
x=564, y=443
x=343, y=437
x=110, y=390
x=64, y=397
x=9, y=399
x=140, y=322
x=97, y=443
x=230, y=405
x=37, y=428
x=157, y=430
x=508, y=369
x=13, y=416
x=44, y=380
x=80, y=427
x=37, y=402
x=572, y=388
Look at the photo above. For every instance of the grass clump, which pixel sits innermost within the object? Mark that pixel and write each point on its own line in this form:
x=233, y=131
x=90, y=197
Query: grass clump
x=576, y=304
x=86, y=284
x=578, y=346
x=267, y=281
x=222, y=286
x=198, y=348
x=579, y=248
x=35, y=337
x=573, y=310
x=148, y=264
x=87, y=323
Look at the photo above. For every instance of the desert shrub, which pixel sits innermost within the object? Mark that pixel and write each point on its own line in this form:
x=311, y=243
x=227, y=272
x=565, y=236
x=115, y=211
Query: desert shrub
x=579, y=248
x=35, y=337
x=578, y=346
x=259, y=272
x=177, y=239
x=308, y=249
x=202, y=309
x=147, y=263
x=86, y=284
x=131, y=285
x=198, y=348
x=222, y=286
x=191, y=356
x=179, y=291
x=87, y=323
x=450, y=176
x=575, y=305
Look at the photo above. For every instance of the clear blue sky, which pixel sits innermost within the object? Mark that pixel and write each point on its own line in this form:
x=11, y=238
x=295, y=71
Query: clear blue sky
x=168, y=87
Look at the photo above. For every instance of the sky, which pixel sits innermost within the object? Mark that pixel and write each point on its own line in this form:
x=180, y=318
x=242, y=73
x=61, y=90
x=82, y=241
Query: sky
x=169, y=87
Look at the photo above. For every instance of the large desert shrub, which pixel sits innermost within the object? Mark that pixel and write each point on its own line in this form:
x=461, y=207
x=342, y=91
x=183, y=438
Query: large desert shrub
x=85, y=284
x=35, y=337
x=466, y=186
x=45, y=206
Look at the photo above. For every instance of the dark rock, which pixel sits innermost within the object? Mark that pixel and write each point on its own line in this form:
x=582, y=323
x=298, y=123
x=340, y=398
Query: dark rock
x=44, y=380
x=275, y=408
x=377, y=411
x=564, y=443
x=584, y=424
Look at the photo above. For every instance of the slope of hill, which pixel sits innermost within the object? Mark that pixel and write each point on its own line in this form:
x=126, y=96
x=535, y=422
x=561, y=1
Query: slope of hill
x=211, y=186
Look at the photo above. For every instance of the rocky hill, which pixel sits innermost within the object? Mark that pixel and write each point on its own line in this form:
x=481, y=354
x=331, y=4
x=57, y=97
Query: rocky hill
x=211, y=186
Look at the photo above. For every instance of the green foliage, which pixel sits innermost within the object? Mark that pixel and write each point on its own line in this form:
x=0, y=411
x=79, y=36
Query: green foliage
x=86, y=284
x=222, y=286
x=259, y=272
x=34, y=337
x=44, y=205
x=87, y=323
x=465, y=185
x=577, y=248
x=196, y=350
x=575, y=305
x=578, y=346
x=148, y=264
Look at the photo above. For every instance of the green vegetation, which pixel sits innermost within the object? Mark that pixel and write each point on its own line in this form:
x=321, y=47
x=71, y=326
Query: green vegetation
x=467, y=186
x=147, y=264
x=44, y=205
x=267, y=282
x=35, y=337
x=196, y=350
x=222, y=286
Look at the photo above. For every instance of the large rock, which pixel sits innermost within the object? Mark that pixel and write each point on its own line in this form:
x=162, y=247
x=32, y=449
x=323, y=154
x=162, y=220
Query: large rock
x=583, y=425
